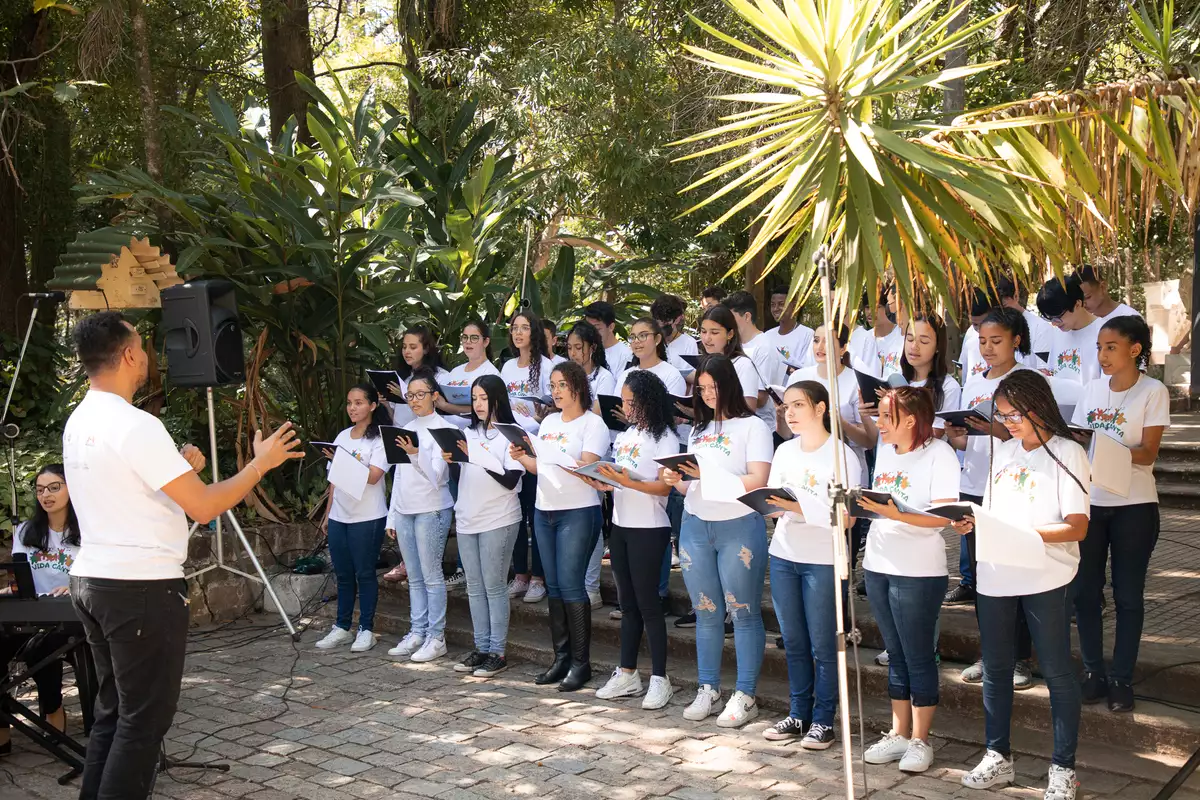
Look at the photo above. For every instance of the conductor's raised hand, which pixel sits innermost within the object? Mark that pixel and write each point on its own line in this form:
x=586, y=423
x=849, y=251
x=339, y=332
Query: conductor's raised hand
x=192, y=455
x=282, y=445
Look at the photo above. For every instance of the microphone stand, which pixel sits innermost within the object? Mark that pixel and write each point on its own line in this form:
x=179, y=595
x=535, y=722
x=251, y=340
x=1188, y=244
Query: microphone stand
x=10, y=430
x=841, y=559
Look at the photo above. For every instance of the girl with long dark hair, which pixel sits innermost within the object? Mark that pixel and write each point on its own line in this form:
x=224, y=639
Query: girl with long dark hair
x=356, y=527
x=418, y=351
x=719, y=336
x=1134, y=409
x=723, y=545
x=49, y=540
x=905, y=569
x=641, y=533
x=1038, y=480
x=487, y=517
x=802, y=574
x=527, y=374
x=852, y=420
x=567, y=519
x=586, y=349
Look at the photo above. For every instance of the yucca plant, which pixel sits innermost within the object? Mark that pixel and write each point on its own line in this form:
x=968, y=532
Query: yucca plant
x=819, y=162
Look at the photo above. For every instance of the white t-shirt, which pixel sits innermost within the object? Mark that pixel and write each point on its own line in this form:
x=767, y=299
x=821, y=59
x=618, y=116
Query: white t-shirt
x=1121, y=310
x=890, y=347
x=979, y=389
x=618, y=357
x=951, y=397
x=795, y=346
x=424, y=486
x=1041, y=335
x=460, y=376
x=748, y=377
x=635, y=450
x=516, y=380
x=918, y=478
x=1031, y=490
x=683, y=345
x=1073, y=353
x=670, y=377
x=556, y=359
x=557, y=489
x=51, y=567
x=864, y=349
x=771, y=371
x=732, y=444
x=797, y=538
x=602, y=382
x=373, y=503
x=117, y=460
x=847, y=389
x=972, y=360
x=402, y=413
x=1123, y=415
x=483, y=504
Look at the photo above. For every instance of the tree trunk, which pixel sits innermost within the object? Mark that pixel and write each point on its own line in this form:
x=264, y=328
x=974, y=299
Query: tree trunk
x=50, y=208
x=954, y=99
x=145, y=79
x=287, y=49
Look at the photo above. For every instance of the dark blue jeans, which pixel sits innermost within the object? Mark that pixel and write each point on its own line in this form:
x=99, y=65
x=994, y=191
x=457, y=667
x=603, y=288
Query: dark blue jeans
x=907, y=610
x=966, y=546
x=566, y=540
x=804, y=605
x=675, y=514
x=523, y=562
x=1050, y=626
x=354, y=548
x=1129, y=533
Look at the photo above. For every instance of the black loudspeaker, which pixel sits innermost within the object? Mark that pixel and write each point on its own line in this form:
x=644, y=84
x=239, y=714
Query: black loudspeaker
x=203, y=340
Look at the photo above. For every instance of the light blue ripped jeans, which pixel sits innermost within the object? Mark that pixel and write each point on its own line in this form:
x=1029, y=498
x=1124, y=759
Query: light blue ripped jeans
x=485, y=558
x=422, y=540
x=724, y=566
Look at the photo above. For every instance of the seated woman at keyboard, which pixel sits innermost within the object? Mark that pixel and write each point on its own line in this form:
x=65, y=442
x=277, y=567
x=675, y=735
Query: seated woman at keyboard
x=50, y=541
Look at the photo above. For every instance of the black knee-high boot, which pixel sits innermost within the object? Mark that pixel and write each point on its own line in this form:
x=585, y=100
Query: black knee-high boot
x=560, y=640
x=579, y=623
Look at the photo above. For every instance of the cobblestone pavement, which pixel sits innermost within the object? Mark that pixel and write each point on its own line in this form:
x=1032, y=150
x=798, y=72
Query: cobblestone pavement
x=364, y=726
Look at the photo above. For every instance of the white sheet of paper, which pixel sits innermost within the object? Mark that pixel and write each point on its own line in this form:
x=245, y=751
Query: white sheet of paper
x=482, y=458
x=816, y=512
x=349, y=474
x=551, y=454
x=1112, y=464
x=717, y=484
x=999, y=542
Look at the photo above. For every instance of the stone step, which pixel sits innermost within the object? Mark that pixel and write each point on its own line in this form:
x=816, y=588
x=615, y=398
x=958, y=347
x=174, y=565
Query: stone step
x=1156, y=735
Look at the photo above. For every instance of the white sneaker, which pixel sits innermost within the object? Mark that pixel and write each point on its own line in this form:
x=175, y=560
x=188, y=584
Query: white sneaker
x=363, y=642
x=433, y=648
x=1062, y=785
x=518, y=586
x=335, y=638
x=595, y=599
x=740, y=709
x=621, y=684
x=917, y=757
x=891, y=747
x=882, y=658
x=536, y=592
x=674, y=559
x=659, y=694
x=410, y=644
x=702, y=706
x=993, y=769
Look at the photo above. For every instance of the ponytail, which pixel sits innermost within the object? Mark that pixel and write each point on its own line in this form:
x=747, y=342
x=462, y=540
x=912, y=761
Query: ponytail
x=380, y=416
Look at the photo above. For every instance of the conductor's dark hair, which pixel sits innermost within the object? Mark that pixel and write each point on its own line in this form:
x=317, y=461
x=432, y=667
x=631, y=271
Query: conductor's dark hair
x=1029, y=393
x=653, y=410
x=100, y=340
x=1134, y=330
x=731, y=403
x=379, y=416
x=816, y=393
x=1012, y=321
x=36, y=532
x=1056, y=297
x=429, y=360
x=499, y=409
x=577, y=381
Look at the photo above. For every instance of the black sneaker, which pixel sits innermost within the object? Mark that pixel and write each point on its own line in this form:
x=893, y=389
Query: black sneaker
x=728, y=625
x=787, y=728
x=473, y=660
x=1095, y=688
x=818, y=737
x=688, y=620
x=1120, y=697
x=860, y=589
x=492, y=667
x=960, y=595
x=779, y=642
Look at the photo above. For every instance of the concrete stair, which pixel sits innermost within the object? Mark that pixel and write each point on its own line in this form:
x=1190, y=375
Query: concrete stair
x=1177, y=473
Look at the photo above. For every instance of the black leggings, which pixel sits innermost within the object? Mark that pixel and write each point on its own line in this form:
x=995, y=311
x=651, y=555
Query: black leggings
x=48, y=679
x=636, y=555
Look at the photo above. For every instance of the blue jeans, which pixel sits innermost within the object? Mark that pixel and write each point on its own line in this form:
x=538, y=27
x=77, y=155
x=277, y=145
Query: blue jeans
x=675, y=514
x=907, y=610
x=523, y=562
x=966, y=568
x=804, y=605
x=724, y=565
x=1050, y=626
x=1129, y=533
x=422, y=540
x=567, y=539
x=485, y=558
x=354, y=548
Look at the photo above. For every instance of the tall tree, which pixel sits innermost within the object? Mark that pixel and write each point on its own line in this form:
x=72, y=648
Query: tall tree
x=286, y=50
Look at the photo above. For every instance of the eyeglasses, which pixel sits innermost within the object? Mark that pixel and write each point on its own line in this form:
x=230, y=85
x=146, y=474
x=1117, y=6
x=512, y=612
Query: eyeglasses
x=50, y=488
x=521, y=329
x=470, y=338
x=1014, y=417
x=410, y=396
x=1054, y=320
x=641, y=337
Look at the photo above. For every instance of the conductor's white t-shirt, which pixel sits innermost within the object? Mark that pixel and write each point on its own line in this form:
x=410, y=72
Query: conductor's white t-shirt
x=117, y=460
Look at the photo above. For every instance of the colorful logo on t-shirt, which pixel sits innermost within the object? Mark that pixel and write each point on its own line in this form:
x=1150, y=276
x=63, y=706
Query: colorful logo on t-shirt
x=787, y=354
x=896, y=483
x=979, y=368
x=983, y=398
x=520, y=387
x=357, y=455
x=59, y=560
x=714, y=441
x=809, y=483
x=1107, y=419
x=461, y=382
x=1021, y=478
x=1068, y=361
x=557, y=437
x=628, y=454
x=889, y=362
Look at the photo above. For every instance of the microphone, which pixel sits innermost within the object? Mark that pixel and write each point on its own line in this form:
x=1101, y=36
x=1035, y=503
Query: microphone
x=55, y=297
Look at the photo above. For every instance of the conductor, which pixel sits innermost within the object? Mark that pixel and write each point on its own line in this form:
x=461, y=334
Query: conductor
x=133, y=490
